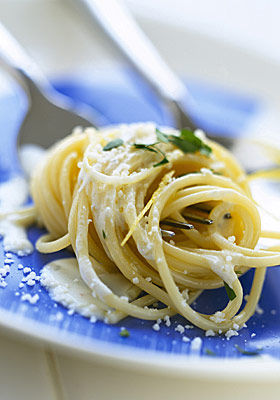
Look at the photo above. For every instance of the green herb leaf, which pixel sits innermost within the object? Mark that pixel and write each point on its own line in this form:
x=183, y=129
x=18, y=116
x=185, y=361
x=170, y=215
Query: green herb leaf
x=210, y=352
x=104, y=234
x=185, y=146
x=188, y=142
x=152, y=147
x=189, y=136
x=162, y=137
x=113, y=144
x=144, y=147
x=124, y=333
x=163, y=161
x=246, y=352
x=230, y=292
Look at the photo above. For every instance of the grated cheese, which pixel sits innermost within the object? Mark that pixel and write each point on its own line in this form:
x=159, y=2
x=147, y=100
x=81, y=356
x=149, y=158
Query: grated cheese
x=210, y=332
x=31, y=299
x=231, y=333
x=218, y=317
x=196, y=344
x=179, y=328
x=156, y=327
x=167, y=320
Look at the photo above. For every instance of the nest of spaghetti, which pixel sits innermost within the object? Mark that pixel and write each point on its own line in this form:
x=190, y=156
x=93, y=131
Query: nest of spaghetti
x=169, y=211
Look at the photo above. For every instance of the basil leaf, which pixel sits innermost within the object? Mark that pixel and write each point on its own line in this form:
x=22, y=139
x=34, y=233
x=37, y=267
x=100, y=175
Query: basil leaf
x=113, y=144
x=104, y=234
x=230, y=292
x=246, y=352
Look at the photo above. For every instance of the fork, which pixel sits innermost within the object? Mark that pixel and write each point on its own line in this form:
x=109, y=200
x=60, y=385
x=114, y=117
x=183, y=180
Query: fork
x=121, y=28
x=50, y=115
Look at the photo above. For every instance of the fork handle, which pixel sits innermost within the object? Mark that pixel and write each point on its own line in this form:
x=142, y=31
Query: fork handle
x=120, y=26
x=14, y=59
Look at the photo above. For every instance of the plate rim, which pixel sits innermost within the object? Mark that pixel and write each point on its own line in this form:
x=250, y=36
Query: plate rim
x=264, y=369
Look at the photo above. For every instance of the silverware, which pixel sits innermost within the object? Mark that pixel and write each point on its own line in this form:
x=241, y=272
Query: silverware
x=117, y=23
x=177, y=224
x=167, y=234
x=50, y=115
x=197, y=219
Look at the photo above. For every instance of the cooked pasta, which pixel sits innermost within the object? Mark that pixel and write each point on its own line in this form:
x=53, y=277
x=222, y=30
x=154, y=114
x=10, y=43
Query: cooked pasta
x=115, y=195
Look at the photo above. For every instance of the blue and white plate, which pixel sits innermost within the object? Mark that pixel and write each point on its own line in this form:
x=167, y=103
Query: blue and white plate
x=120, y=98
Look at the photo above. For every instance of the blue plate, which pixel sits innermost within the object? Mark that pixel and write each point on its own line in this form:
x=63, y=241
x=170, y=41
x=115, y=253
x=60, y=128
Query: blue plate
x=121, y=97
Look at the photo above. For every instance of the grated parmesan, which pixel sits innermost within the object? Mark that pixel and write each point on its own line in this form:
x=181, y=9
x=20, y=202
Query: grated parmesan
x=210, y=332
x=179, y=328
x=218, y=317
x=167, y=320
x=31, y=299
x=156, y=327
x=196, y=344
x=231, y=333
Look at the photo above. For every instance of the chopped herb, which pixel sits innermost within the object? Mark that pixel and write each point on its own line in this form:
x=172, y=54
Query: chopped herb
x=145, y=147
x=104, y=234
x=188, y=142
x=113, y=144
x=238, y=272
x=162, y=137
x=227, y=216
x=152, y=147
x=230, y=292
x=163, y=161
x=246, y=352
x=210, y=352
x=124, y=333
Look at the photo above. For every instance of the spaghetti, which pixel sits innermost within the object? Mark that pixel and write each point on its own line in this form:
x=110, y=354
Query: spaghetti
x=108, y=193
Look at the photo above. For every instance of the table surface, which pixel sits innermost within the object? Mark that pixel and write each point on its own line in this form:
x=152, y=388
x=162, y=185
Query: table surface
x=28, y=369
